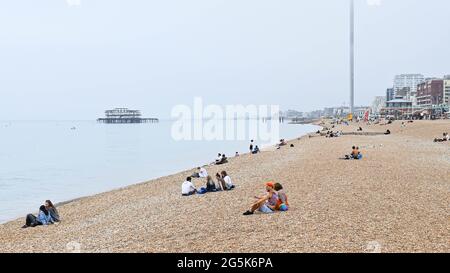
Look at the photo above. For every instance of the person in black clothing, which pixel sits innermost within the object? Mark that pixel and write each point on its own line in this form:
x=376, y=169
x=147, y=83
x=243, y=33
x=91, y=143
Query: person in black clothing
x=210, y=185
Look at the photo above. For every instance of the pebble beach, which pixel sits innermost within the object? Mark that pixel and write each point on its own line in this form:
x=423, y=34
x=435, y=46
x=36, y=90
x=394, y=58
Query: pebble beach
x=396, y=199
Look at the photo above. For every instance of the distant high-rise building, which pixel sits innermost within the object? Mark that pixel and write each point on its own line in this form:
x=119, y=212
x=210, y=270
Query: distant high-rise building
x=404, y=93
x=390, y=94
x=407, y=81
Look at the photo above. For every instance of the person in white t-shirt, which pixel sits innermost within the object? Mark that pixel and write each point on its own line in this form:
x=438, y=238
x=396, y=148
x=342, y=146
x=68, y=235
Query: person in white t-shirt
x=225, y=181
x=219, y=158
x=202, y=172
x=188, y=188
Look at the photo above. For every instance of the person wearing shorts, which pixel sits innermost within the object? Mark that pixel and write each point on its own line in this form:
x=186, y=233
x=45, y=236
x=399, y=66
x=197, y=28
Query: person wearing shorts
x=267, y=203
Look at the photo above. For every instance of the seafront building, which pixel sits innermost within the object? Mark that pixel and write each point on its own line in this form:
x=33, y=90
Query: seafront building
x=446, y=93
x=405, y=85
x=412, y=97
x=430, y=92
x=398, y=108
x=390, y=93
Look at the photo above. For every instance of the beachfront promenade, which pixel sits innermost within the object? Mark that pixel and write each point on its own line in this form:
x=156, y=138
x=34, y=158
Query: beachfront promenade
x=394, y=200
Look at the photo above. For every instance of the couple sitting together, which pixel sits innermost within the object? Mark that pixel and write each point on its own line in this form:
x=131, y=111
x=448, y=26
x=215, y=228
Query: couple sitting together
x=274, y=200
x=356, y=154
x=224, y=184
x=48, y=214
x=221, y=159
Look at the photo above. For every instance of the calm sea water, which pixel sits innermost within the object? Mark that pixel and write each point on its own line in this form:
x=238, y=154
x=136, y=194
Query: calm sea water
x=50, y=160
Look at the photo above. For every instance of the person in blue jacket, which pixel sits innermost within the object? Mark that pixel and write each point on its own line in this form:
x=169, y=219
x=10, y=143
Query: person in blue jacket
x=44, y=218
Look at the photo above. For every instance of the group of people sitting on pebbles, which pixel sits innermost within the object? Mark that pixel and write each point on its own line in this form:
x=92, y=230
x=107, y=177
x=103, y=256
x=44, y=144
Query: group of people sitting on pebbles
x=445, y=137
x=355, y=154
x=48, y=215
x=224, y=183
x=221, y=159
x=275, y=198
x=331, y=134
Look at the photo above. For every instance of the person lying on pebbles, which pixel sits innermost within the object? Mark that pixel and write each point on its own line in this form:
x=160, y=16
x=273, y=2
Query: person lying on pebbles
x=266, y=203
x=445, y=137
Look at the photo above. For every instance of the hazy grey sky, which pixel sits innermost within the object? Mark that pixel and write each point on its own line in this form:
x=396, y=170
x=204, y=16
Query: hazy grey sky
x=60, y=61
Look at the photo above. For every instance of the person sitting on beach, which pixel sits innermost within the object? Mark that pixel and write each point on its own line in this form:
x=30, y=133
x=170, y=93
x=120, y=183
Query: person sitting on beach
x=266, y=203
x=187, y=188
x=225, y=181
x=356, y=154
x=360, y=129
x=237, y=154
x=283, y=204
x=219, y=158
x=52, y=210
x=223, y=160
x=256, y=150
x=44, y=218
x=210, y=185
x=202, y=173
x=282, y=142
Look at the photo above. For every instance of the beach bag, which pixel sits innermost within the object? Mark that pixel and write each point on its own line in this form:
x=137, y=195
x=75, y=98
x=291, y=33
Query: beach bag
x=202, y=191
x=283, y=207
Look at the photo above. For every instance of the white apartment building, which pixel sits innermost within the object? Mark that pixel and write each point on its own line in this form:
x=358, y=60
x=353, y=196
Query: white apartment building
x=409, y=81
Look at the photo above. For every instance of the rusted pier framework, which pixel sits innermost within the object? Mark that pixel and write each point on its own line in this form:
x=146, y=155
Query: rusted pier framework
x=125, y=115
